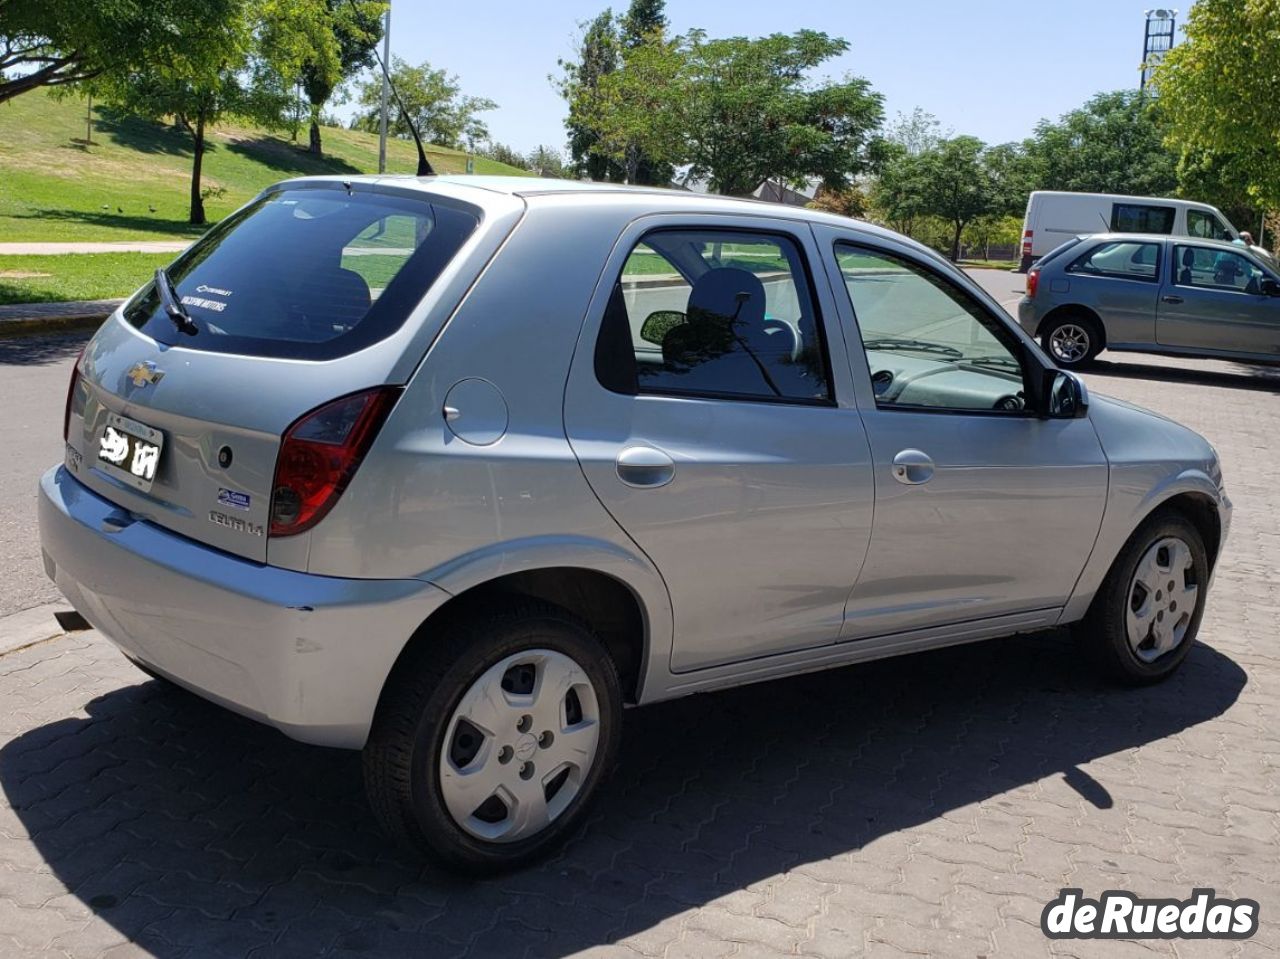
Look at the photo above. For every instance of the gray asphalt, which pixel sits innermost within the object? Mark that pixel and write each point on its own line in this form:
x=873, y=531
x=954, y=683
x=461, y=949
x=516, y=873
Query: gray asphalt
x=33, y=381
x=33, y=372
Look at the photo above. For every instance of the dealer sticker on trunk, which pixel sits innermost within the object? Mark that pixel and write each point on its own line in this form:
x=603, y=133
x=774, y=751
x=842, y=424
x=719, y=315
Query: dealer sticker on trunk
x=233, y=498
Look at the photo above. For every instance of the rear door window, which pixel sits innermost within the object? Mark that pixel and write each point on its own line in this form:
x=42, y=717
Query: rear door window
x=719, y=313
x=1142, y=218
x=1122, y=260
x=307, y=273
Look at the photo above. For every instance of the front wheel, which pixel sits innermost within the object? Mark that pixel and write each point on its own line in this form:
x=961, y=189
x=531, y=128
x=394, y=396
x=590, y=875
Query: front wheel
x=1071, y=341
x=492, y=737
x=1146, y=615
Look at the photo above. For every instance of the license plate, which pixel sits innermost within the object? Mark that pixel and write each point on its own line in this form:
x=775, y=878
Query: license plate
x=130, y=451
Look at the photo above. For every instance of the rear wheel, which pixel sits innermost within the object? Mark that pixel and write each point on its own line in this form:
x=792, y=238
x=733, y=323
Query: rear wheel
x=1072, y=340
x=490, y=741
x=1147, y=613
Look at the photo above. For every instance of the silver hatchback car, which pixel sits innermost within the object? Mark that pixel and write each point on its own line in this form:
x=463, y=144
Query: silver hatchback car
x=452, y=469
x=1180, y=296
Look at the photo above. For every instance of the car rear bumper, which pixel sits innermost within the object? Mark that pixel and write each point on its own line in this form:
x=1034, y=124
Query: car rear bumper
x=1028, y=315
x=303, y=653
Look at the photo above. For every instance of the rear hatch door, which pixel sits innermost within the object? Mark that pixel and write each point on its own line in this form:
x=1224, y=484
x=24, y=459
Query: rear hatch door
x=295, y=300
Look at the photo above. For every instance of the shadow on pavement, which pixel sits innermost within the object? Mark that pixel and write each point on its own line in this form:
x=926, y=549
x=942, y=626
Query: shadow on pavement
x=182, y=825
x=38, y=349
x=1248, y=376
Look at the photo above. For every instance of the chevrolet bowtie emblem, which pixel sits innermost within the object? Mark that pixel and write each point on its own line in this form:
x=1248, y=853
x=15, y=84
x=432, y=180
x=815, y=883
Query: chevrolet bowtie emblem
x=143, y=373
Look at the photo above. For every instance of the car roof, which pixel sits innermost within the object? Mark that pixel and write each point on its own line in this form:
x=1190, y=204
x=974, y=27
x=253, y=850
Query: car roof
x=657, y=199
x=1159, y=238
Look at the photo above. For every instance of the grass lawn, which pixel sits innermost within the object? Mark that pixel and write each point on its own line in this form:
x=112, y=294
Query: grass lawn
x=989, y=264
x=55, y=187
x=81, y=276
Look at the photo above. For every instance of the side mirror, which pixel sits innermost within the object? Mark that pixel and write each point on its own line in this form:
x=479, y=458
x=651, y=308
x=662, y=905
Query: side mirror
x=657, y=324
x=1269, y=287
x=1066, y=398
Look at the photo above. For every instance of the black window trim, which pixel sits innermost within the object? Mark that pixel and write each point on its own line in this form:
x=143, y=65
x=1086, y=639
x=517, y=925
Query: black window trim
x=319, y=351
x=776, y=233
x=1002, y=333
x=1115, y=206
x=1107, y=275
x=1176, y=246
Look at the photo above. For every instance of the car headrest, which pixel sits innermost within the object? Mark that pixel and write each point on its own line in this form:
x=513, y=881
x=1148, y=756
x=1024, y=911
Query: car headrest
x=1188, y=256
x=721, y=294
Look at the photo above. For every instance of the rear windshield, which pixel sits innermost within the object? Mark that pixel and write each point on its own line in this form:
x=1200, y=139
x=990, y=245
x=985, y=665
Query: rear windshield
x=307, y=273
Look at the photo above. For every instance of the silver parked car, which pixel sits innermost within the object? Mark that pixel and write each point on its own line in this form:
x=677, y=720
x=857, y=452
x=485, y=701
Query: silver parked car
x=1180, y=296
x=452, y=469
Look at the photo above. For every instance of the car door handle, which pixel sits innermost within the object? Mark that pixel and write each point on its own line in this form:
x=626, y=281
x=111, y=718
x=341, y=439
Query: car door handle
x=912, y=468
x=645, y=467
x=1170, y=298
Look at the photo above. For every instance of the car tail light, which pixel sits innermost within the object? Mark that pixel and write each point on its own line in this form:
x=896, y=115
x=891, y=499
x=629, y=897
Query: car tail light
x=319, y=455
x=71, y=395
x=1033, y=281
x=1026, y=242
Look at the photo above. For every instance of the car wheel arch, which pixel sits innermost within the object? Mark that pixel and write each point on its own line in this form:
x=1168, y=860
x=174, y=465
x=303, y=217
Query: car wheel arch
x=1074, y=310
x=607, y=605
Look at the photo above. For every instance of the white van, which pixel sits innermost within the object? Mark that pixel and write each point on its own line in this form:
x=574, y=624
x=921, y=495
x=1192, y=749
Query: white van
x=1053, y=218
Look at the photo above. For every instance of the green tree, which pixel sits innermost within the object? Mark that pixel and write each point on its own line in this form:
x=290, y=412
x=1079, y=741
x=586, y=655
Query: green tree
x=58, y=42
x=320, y=44
x=1220, y=90
x=750, y=112
x=898, y=193
x=435, y=101
x=643, y=19
x=1113, y=144
x=646, y=20
x=598, y=55
x=635, y=113
x=547, y=161
x=199, y=81
x=957, y=185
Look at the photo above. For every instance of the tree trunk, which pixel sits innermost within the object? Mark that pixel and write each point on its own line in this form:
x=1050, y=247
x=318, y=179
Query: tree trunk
x=197, y=200
x=314, y=146
x=955, y=242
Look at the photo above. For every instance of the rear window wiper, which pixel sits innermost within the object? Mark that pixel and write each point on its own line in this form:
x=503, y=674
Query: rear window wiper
x=920, y=346
x=169, y=300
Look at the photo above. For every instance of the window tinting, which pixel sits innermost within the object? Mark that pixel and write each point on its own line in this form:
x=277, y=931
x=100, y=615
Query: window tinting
x=1217, y=270
x=928, y=344
x=1140, y=218
x=717, y=313
x=1126, y=260
x=307, y=273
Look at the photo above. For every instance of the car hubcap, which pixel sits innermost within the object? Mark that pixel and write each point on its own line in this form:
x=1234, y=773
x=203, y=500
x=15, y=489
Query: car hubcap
x=519, y=746
x=1069, y=343
x=1162, y=599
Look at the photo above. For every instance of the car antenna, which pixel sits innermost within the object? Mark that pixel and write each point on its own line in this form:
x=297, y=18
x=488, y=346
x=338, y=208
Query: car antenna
x=424, y=165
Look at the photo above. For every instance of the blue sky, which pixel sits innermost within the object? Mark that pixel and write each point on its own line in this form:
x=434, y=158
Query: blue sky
x=983, y=67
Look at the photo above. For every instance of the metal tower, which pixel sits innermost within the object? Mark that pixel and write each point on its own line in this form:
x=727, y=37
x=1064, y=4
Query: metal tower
x=1157, y=40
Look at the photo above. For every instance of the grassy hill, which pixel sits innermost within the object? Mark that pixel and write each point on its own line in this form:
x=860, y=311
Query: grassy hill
x=54, y=186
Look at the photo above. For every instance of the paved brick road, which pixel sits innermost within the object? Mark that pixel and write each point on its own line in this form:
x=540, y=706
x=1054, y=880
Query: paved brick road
x=928, y=805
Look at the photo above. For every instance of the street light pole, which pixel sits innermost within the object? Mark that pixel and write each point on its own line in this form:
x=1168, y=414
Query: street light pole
x=382, y=119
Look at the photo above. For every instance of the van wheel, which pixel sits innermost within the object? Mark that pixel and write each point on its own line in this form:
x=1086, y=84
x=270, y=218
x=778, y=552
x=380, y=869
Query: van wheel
x=1072, y=340
x=492, y=736
x=1146, y=615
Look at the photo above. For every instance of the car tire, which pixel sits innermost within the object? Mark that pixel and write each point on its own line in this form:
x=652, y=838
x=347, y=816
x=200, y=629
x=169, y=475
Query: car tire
x=1138, y=630
x=527, y=701
x=1071, y=340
